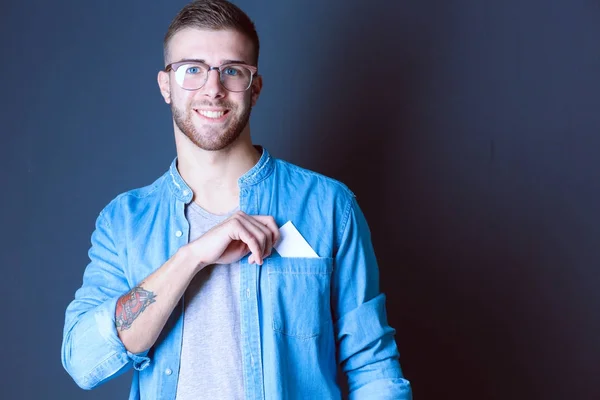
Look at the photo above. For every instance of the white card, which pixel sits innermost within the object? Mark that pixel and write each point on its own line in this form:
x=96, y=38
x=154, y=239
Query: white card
x=292, y=244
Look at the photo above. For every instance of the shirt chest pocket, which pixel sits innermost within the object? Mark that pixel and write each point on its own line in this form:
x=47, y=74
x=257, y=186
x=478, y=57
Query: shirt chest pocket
x=299, y=289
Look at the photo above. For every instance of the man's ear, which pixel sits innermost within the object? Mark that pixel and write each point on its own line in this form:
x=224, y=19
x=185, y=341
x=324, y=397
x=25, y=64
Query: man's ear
x=163, y=85
x=256, y=88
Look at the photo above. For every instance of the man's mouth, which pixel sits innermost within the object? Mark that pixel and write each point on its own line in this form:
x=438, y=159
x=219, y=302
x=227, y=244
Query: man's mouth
x=212, y=114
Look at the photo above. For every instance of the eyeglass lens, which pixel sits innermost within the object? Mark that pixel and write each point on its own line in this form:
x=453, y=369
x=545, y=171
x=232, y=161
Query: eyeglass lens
x=235, y=78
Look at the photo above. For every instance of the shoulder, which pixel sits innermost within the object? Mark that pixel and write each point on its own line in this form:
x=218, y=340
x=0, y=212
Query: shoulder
x=136, y=199
x=313, y=179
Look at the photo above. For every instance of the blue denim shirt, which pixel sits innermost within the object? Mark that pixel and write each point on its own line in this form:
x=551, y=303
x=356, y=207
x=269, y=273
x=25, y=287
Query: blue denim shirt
x=301, y=318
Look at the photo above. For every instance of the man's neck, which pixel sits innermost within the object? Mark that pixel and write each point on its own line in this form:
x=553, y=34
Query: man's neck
x=213, y=175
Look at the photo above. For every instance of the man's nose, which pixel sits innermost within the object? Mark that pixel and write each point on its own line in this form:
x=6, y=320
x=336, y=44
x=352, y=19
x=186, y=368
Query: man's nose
x=213, y=88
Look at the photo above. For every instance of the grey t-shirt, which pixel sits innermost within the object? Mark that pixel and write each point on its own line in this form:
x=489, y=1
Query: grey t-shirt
x=211, y=358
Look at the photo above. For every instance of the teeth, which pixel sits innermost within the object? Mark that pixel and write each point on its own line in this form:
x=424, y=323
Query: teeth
x=211, y=114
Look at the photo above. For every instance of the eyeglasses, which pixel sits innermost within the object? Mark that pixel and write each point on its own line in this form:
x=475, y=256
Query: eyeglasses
x=192, y=75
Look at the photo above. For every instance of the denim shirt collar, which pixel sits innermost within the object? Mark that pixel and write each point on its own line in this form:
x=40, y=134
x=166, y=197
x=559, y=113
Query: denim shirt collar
x=260, y=171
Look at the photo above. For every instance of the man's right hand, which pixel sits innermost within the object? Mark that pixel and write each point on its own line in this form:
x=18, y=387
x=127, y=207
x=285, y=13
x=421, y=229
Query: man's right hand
x=235, y=237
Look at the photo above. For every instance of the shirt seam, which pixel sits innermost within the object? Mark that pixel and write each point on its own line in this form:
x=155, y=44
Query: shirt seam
x=344, y=223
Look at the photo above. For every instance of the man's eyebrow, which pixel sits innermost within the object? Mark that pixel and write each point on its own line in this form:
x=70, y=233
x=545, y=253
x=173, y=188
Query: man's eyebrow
x=234, y=62
x=191, y=59
x=222, y=61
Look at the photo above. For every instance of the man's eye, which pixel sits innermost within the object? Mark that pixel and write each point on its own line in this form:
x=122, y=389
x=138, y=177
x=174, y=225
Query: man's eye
x=230, y=71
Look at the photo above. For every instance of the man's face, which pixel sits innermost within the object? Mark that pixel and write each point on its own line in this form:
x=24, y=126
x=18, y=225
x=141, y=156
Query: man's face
x=211, y=117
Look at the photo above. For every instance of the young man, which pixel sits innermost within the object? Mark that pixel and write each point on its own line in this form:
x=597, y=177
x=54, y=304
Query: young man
x=184, y=283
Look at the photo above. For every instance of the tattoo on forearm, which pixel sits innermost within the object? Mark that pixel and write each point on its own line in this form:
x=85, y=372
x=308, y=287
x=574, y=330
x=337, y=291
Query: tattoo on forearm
x=131, y=305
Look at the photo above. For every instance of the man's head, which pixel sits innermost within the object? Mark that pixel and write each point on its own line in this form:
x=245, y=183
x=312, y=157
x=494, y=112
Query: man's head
x=213, y=15
x=210, y=79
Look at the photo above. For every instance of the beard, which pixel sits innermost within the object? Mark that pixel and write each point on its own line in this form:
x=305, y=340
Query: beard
x=213, y=138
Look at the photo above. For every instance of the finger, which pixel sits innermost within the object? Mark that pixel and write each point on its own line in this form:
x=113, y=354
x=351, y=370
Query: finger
x=243, y=230
x=266, y=233
x=265, y=220
x=267, y=226
x=253, y=244
x=260, y=232
x=270, y=223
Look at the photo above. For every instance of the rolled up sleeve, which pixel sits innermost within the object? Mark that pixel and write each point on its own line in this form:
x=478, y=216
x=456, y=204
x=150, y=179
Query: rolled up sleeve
x=367, y=351
x=92, y=352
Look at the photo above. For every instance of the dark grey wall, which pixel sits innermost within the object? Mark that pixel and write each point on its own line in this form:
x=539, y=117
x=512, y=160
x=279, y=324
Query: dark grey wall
x=468, y=130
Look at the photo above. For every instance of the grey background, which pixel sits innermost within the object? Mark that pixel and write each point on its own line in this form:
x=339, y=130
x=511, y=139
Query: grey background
x=467, y=129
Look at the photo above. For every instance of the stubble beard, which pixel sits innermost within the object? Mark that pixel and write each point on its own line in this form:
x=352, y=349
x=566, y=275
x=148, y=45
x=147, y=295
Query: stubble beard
x=212, y=140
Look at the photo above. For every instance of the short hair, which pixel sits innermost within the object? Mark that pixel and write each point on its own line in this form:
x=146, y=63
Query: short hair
x=213, y=15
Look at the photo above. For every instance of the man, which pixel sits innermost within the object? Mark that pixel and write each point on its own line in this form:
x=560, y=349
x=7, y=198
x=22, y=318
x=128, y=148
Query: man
x=184, y=284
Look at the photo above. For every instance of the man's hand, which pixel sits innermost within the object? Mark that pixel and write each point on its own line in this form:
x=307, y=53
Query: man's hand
x=235, y=237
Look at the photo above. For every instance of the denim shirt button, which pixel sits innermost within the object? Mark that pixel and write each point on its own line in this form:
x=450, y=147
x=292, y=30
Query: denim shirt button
x=178, y=233
x=186, y=192
x=168, y=371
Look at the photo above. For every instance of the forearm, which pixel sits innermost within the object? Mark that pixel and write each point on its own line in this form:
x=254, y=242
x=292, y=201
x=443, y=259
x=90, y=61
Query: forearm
x=367, y=350
x=141, y=313
x=369, y=355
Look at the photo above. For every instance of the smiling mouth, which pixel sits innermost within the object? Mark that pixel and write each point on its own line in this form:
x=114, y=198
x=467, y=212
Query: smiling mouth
x=212, y=114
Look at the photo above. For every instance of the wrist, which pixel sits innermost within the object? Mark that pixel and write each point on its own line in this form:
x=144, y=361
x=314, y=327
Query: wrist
x=190, y=257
